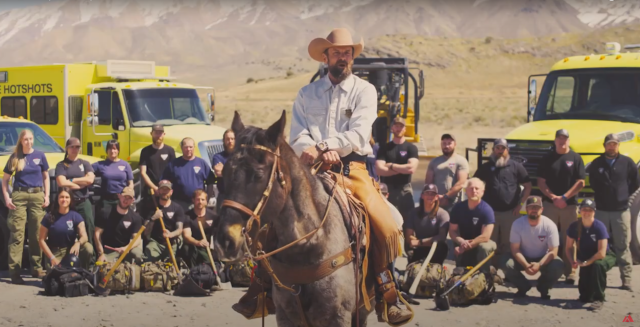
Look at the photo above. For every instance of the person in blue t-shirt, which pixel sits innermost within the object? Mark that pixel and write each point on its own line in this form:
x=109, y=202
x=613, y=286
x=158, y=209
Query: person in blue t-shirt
x=593, y=255
x=63, y=232
x=470, y=227
x=115, y=174
x=26, y=203
x=187, y=174
x=218, y=161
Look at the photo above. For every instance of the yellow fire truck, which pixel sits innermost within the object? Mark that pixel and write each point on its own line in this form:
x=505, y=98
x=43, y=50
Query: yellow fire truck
x=99, y=101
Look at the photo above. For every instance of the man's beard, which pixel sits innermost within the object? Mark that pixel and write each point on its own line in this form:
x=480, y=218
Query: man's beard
x=228, y=148
x=123, y=208
x=398, y=134
x=611, y=154
x=447, y=152
x=502, y=160
x=534, y=216
x=166, y=197
x=340, y=73
x=158, y=141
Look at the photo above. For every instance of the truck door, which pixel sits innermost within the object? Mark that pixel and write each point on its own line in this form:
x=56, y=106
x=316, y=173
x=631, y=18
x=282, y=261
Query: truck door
x=110, y=123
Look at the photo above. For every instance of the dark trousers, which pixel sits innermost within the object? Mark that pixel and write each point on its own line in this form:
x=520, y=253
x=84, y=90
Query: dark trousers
x=195, y=255
x=85, y=210
x=593, y=278
x=402, y=198
x=439, y=255
x=549, y=273
x=104, y=206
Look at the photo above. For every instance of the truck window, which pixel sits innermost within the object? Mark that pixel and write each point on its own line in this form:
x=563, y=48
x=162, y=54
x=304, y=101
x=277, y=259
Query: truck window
x=167, y=106
x=75, y=110
x=14, y=107
x=562, y=95
x=44, y=110
x=104, y=103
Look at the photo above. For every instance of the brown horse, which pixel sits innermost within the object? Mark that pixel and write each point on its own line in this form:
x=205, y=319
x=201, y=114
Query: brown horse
x=295, y=206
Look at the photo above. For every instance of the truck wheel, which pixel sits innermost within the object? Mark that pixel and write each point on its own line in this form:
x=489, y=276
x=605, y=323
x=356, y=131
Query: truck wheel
x=4, y=240
x=634, y=207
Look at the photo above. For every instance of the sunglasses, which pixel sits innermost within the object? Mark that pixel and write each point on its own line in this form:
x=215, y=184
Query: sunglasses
x=74, y=146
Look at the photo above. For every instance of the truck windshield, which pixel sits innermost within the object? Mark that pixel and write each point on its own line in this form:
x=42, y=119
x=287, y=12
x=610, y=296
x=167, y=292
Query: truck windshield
x=167, y=106
x=595, y=94
x=10, y=132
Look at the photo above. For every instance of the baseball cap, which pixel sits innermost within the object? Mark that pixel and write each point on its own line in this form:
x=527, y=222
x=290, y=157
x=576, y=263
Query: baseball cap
x=157, y=127
x=533, y=201
x=588, y=203
x=165, y=183
x=399, y=120
x=430, y=188
x=384, y=189
x=562, y=132
x=128, y=191
x=447, y=136
x=502, y=142
x=611, y=138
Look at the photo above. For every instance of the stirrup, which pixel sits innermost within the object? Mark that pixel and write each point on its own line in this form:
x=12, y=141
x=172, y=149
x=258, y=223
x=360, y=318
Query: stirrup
x=260, y=305
x=386, y=308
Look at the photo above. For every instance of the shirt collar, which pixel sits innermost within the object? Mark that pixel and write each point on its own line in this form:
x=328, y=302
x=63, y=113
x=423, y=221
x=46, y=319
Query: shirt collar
x=344, y=85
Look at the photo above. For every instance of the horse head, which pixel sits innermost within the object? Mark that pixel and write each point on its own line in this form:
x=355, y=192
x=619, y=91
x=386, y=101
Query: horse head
x=256, y=185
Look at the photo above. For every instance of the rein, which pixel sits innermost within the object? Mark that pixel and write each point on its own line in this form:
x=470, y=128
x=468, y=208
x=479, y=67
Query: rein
x=257, y=212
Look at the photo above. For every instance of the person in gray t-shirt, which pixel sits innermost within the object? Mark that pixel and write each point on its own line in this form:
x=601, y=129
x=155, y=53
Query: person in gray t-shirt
x=534, y=248
x=449, y=172
x=429, y=224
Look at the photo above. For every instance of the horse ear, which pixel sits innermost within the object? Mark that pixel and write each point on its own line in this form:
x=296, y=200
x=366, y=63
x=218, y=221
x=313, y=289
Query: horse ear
x=236, y=125
x=276, y=130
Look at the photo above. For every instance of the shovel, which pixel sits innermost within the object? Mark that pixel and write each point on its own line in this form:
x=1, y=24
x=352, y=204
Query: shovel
x=442, y=301
x=173, y=258
x=423, y=268
x=101, y=289
x=221, y=286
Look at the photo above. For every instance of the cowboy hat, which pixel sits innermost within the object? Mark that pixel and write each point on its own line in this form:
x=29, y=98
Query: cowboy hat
x=339, y=37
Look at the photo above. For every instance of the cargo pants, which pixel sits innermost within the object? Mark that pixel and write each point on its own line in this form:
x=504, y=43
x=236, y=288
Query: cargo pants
x=85, y=210
x=549, y=273
x=29, y=211
x=474, y=256
x=156, y=251
x=619, y=228
x=593, y=278
x=134, y=254
x=502, y=231
x=85, y=255
x=562, y=218
x=402, y=198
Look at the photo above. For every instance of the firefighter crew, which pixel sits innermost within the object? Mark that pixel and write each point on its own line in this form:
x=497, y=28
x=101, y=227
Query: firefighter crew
x=594, y=256
x=395, y=164
x=62, y=231
x=26, y=203
x=561, y=176
x=154, y=158
x=116, y=174
x=614, y=178
x=77, y=175
x=449, y=172
x=503, y=177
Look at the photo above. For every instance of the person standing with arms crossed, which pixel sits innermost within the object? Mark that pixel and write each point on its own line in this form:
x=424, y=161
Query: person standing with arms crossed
x=115, y=174
x=26, y=203
x=503, y=177
x=561, y=176
x=613, y=178
x=77, y=175
x=218, y=161
x=154, y=158
x=449, y=172
x=395, y=164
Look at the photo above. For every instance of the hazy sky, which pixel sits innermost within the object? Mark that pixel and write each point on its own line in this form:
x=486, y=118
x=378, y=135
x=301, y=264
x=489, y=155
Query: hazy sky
x=10, y=4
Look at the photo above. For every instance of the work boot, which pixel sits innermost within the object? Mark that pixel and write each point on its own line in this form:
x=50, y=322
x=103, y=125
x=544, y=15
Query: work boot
x=16, y=279
x=394, y=313
x=571, y=279
x=38, y=273
x=626, y=286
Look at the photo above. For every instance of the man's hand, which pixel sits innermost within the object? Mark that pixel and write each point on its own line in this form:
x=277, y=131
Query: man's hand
x=560, y=203
x=120, y=250
x=75, y=249
x=310, y=155
x=218, y=168
x=415, y=243
x=203, y=244
x=574, y=264
x=584, y=264
x=529, y=270
x=102, y=258
x=465, y=245
x=458, y=251
x=54, y=262
x=166, y=233
x=46, y=202
x=9, y=203
x=443, y=201
x=157, y=215
x=331, y=157
x=535, y=267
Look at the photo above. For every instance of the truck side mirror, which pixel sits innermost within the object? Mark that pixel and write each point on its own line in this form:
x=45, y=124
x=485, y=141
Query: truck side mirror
x=93, y=104
x=532, y=99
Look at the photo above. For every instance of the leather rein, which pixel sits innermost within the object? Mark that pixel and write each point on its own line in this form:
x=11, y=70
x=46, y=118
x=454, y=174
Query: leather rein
x=255, y=215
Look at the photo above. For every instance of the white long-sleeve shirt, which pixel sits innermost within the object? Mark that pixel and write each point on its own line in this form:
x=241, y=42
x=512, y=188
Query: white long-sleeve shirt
x=342, y=115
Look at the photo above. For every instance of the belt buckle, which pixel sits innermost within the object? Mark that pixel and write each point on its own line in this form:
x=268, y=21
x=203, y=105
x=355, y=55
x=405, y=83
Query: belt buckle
x=30, y=190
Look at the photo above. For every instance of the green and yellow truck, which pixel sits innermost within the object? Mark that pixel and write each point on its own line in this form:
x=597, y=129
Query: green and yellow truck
x=590, y=96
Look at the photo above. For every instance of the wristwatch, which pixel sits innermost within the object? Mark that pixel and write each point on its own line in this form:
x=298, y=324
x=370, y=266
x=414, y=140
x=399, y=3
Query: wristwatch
x=322, y=146
x=564, y=197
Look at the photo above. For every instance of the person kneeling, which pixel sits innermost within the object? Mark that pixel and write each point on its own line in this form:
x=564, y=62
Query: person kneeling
x=172, y=216
x=59, y=230
x=594, y=256
x=195, y=243
x=534, y=248
x=429, y=225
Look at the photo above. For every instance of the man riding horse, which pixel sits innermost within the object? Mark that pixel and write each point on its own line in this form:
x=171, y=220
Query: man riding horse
x=332, y=121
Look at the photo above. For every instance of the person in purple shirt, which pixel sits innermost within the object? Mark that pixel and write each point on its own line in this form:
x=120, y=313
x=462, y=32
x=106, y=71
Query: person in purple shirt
x=26, y=203
x=187, y=174
x=593, y=255
x=115, y=174
x=63, y=232
x=218, y=161
x=470, y=227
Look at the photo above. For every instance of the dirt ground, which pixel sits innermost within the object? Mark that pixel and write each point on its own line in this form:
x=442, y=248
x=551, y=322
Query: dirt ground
x=24, y=306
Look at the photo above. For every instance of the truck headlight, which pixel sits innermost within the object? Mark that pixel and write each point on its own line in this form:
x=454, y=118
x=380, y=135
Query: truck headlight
x=626, y=136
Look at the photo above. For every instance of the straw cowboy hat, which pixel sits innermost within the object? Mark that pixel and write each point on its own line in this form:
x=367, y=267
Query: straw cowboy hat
x=339, y=37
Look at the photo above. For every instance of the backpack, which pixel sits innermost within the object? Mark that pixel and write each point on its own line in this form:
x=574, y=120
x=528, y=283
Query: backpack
x=203, y=275
x=240, y=274
x=479, y=288
x=67, y=282
x=125, y=279
x=158, y=276
x=435, y=276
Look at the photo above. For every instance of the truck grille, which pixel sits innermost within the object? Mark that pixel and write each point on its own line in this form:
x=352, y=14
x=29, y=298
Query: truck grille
x=209, y=148
x=529, y=153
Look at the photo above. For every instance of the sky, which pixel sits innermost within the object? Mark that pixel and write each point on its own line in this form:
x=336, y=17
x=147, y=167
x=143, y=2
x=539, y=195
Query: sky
x=11, y=4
